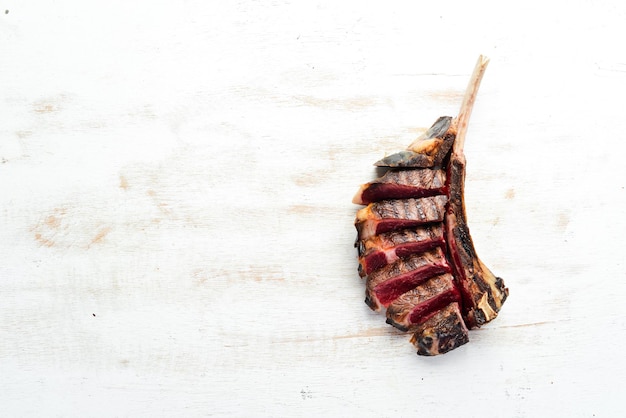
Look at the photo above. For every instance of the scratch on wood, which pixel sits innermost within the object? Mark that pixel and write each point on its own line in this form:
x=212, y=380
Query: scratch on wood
x=123, y=183
x=530, y=324
x=447, y=96
x=307, y=179
x=100, y=236
x=49, y=105
x=44, y=241
x=312, y=209
x=23, y=134
x=45, y=107
x=374, y=332
x=301, y=209
x=347, y=104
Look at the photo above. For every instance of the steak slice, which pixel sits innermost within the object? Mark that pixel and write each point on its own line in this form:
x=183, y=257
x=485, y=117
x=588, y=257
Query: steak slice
x=416, y=305
x=390, y=282
x=429, y=150
x=386, y=248
x=402, y=184
x=443, y=331
x=390, y=215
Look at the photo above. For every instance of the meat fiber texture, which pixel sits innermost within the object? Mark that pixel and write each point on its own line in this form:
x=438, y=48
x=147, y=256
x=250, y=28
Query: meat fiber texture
x=415, y=251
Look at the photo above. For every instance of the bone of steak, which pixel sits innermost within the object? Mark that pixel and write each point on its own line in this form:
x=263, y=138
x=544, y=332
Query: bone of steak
x=414, y=244
x=483, y=292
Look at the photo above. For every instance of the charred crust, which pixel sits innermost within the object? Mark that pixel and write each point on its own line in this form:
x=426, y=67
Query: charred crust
x=444, y=332
x=424, y=346
x=478, y=317
x=360, y=247
x=404, y=159
x=396, y=325
x=370, y=302
x=463, y=237
x=440, y=127
x=500, y=285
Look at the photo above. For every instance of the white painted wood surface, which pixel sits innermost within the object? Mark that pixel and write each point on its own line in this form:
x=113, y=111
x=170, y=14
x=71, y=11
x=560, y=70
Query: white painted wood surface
x=175, y=217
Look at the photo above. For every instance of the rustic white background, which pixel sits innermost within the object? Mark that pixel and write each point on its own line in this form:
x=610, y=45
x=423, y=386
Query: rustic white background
x=175, y=219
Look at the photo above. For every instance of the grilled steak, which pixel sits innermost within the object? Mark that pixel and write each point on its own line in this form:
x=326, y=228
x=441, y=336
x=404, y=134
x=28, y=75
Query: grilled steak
x=414, y=245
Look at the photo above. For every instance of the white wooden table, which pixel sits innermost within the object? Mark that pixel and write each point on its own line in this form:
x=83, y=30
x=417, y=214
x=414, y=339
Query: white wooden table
x=175, y=217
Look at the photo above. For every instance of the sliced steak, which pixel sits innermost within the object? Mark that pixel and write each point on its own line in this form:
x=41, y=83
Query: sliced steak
x=443, y=331
x=415, y=305
x=410, y=231
x=383, y=249
x=391, y=215
x=402, y=184
x=387, y=284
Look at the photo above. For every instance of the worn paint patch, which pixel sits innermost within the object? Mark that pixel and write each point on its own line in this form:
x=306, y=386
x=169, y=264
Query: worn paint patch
x=562, y=221
x=307, y=179
x=123, y=182
x=446, y=96
x=23, y=134
x=45, y=232
x=344, y=104
x=63, y=228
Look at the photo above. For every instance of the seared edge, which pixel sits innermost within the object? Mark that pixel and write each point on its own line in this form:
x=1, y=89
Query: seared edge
x=428, y=150
x=442, y=332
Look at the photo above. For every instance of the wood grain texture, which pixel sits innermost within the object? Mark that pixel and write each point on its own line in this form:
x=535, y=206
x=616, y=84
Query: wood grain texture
x=177, y=232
